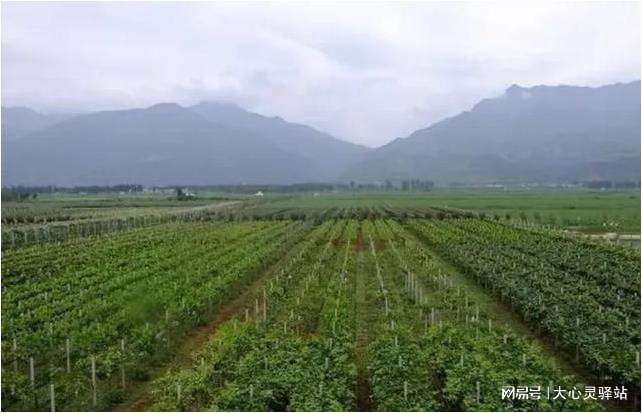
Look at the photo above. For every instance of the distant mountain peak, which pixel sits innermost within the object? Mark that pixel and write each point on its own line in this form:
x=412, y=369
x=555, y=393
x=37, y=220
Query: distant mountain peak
x=165, y=106
x=514, y=88
x=528, y=134
x=208, y=143
x=518, y=92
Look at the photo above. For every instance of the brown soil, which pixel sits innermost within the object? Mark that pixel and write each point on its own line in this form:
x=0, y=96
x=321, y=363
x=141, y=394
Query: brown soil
x=363, y=390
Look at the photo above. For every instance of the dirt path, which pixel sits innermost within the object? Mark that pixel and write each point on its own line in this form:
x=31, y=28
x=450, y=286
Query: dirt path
x=362, y=320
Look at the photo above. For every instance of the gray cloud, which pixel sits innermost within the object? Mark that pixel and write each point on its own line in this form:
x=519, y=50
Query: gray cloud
x=367, y=72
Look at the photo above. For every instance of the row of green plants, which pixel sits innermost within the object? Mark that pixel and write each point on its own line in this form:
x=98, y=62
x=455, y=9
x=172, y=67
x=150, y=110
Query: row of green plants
x=294, y=357
x=106, y=312
x=114, y=305
x=439, y=349
x=22, y=215
x=31, y=304
x=57, y=228
x=398, y=382
x=585, y=296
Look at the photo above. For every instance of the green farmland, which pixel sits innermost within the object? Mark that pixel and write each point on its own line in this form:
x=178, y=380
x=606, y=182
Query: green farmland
x=591, y=211
x=355, y=301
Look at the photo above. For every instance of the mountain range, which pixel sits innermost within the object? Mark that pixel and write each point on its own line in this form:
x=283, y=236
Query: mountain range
x=21, y=121
x=538, y=134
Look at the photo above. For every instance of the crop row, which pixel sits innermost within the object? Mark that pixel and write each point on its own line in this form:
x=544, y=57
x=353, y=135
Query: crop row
x=347, y=314
x=94, y=318
x=433, y=345
x=63, y=230
x=442, y=350
x=585, y=295
x=295, y=356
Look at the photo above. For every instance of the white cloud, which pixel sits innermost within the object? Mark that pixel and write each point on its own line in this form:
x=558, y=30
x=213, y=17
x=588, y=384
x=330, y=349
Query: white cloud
x=367, y=72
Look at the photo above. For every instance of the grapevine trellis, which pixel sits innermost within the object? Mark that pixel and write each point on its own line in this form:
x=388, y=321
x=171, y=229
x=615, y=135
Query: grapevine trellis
x=71, y=341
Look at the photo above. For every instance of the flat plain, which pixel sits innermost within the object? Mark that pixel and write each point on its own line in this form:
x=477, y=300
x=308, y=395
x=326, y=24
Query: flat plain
x=320, y=301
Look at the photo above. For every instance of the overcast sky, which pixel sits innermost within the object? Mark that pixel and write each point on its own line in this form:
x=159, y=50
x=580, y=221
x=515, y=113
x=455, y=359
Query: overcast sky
x=365, y=72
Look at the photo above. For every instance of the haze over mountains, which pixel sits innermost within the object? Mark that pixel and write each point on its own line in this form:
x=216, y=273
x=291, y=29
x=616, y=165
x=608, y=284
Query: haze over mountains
x=169, y=144
x=540, y=134
x=20, y=121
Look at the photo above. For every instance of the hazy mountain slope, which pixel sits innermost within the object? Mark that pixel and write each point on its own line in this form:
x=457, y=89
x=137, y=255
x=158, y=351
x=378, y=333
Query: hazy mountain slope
x=328, y=154
x=163, y=144
x=19, y=121
x=539, y=134
x=168, y=144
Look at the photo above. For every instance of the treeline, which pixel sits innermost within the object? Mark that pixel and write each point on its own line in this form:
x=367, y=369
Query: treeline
x=388, y=185
x=610, y=184
x=406, y=185
x=23, y=192
x=20, y=192
x=252, y=189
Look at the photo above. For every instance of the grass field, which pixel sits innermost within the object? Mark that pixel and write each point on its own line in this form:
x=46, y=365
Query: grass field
x=59, y=207
x=584, y=210
x=590, y=211
x=288, y=303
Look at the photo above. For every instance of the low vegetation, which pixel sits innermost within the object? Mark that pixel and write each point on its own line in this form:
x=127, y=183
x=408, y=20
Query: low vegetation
x=273, y=305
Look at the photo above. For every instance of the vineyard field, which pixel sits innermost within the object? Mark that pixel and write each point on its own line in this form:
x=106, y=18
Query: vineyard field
x=350, y=308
